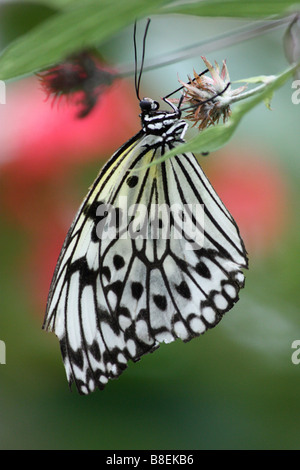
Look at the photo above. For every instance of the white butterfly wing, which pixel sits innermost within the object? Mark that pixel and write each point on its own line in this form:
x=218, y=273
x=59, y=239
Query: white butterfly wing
x=115, y=298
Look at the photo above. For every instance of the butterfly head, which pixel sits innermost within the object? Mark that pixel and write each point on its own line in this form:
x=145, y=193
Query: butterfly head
x=148, y=106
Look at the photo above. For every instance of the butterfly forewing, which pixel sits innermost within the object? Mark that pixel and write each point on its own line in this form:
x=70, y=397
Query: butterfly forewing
x=140, y=265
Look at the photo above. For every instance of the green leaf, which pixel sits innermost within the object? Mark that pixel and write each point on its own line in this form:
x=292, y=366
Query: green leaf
x=258, y=79
x=215, y=137
x=17, y=18
x=234, y=8
x=58, y=4
x=81, y=24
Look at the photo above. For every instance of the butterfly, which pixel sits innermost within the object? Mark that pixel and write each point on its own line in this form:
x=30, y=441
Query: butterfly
x=139, y=265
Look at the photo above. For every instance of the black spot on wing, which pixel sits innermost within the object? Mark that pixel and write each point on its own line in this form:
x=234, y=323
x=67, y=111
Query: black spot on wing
x=136, y=290
x=116, y=287
x=124, y=312
x=132, y=181
x=160, y=301
x=183, y=290
x=95, y=350
x=87, y=275
x=203, y=270
x=90, y=210
x=118, y=262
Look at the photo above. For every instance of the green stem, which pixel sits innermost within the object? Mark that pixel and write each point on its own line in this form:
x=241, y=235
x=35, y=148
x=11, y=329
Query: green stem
x=267, y=82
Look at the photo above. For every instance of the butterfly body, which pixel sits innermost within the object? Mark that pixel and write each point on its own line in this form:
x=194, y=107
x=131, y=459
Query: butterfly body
x=140, y=266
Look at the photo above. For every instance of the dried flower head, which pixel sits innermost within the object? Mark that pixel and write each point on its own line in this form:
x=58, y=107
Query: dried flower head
x=82, y=73
x=208, y=96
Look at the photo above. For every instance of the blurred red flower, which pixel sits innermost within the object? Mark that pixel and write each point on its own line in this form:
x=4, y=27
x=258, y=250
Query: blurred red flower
x=42, y=136
x=40, y=142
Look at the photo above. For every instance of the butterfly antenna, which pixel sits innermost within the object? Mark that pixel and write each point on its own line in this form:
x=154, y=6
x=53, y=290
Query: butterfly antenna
x=137, y=76
x=135, y=62
x=180, y=88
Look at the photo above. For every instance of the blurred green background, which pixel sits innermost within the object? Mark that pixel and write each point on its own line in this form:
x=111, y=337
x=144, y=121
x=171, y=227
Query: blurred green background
x=234, y=388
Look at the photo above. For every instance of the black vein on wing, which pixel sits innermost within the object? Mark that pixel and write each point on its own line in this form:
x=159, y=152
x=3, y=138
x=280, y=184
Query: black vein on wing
x=210, y=216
